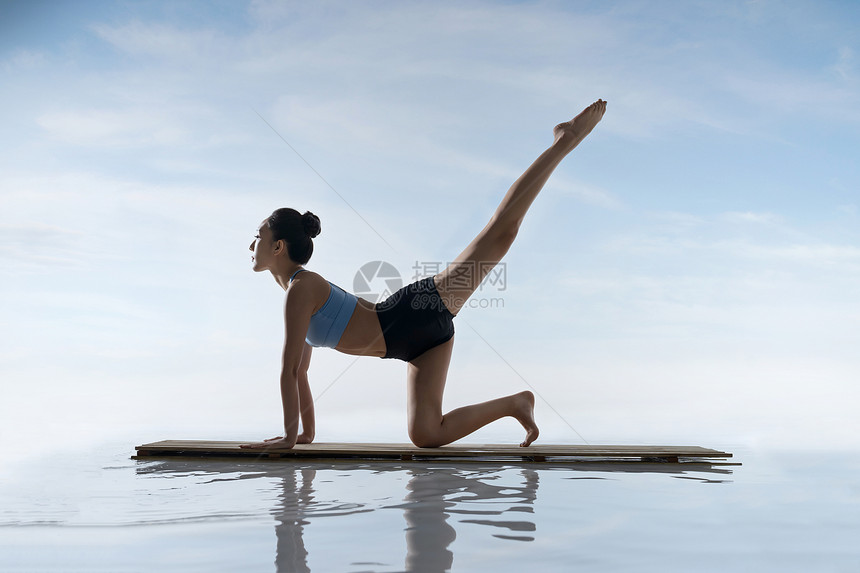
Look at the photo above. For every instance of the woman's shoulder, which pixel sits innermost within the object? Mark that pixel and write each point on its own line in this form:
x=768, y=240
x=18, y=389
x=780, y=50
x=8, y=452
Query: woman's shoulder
x=308, y=288
x=310, y=282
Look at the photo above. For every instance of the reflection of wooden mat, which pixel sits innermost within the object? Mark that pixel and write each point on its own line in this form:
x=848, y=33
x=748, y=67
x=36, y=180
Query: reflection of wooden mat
x=405, y=452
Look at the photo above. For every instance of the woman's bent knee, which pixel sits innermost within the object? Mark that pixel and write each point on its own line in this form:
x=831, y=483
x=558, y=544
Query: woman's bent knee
x=425, y=439
x=428, y=443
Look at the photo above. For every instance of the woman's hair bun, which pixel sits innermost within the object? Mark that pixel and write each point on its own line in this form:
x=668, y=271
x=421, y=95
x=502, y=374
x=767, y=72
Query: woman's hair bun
x=311, y=224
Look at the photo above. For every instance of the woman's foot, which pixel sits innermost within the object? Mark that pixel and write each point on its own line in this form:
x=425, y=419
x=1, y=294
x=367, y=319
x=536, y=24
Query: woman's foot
x=525, y=414
x=570, y=133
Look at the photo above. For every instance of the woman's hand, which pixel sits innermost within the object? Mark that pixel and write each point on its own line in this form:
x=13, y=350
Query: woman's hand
x=278, y=442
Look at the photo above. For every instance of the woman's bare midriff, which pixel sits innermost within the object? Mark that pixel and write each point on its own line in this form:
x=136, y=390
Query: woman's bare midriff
x=363, y=335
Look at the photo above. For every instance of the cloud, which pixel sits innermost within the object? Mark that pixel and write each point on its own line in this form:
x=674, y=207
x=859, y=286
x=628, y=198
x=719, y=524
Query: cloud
x=728, y=249
x=810, y=254
x=106, y=128
x=20, y=60
x=168, y=43
x=411, y=51
x=845, y=66
x=40, y=248
x=675, y=275
x=792, y=92
x=750, y=217
x=589, y=194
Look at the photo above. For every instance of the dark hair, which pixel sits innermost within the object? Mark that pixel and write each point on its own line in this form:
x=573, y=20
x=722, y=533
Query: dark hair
x=296, y=230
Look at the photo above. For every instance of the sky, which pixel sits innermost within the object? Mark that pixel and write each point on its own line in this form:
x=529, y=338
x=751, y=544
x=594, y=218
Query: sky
x=689, y=276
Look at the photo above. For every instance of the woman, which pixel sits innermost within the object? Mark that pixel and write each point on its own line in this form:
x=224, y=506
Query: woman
x=415, y=324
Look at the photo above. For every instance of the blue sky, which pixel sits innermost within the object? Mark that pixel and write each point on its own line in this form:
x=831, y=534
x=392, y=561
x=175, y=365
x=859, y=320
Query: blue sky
x=689, y=275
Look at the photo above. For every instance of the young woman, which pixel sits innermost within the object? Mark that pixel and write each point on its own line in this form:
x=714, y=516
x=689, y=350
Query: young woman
x=415, y=324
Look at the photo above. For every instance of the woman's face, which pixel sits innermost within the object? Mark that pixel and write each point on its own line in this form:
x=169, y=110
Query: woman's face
x=262, y=248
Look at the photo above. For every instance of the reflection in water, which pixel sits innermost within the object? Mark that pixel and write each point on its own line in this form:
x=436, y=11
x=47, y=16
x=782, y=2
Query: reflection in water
x=477, y=494
x=428, y=533
x=291, y=554
x=436, y=493
x=523, y=499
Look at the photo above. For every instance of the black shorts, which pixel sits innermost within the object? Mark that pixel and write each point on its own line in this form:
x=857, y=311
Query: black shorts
x=414, y=320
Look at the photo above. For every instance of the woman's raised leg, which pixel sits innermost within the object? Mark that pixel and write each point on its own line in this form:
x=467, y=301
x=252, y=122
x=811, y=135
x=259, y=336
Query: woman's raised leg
x=429, y=428
x=427, y=374
x=463, y=276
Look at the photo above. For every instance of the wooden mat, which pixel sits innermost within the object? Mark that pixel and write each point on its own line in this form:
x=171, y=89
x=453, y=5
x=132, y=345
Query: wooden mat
x=407, y=452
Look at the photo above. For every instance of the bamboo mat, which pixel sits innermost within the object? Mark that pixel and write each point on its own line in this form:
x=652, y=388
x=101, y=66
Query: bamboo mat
x=407, y=452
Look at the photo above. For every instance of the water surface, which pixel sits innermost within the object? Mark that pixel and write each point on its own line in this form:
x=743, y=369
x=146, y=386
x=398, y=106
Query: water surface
x=105, y=512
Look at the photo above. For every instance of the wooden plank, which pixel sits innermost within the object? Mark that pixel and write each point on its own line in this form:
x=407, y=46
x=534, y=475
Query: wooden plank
x=407, y=452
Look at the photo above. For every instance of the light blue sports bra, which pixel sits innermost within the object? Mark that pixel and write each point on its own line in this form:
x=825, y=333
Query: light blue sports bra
x=329, y=322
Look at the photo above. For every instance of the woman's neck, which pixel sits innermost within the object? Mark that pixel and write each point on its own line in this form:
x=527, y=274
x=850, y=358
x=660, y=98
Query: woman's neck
x=282, y=276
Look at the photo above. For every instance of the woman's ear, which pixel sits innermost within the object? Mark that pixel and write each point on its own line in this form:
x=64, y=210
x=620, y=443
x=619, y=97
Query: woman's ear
x=280, y=245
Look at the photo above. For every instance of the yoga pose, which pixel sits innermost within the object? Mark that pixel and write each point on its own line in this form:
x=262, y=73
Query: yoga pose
x=415, y=324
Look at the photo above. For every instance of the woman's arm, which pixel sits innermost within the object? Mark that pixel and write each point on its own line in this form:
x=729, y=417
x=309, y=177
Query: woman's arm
x=306, y=399
x=297, y=316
